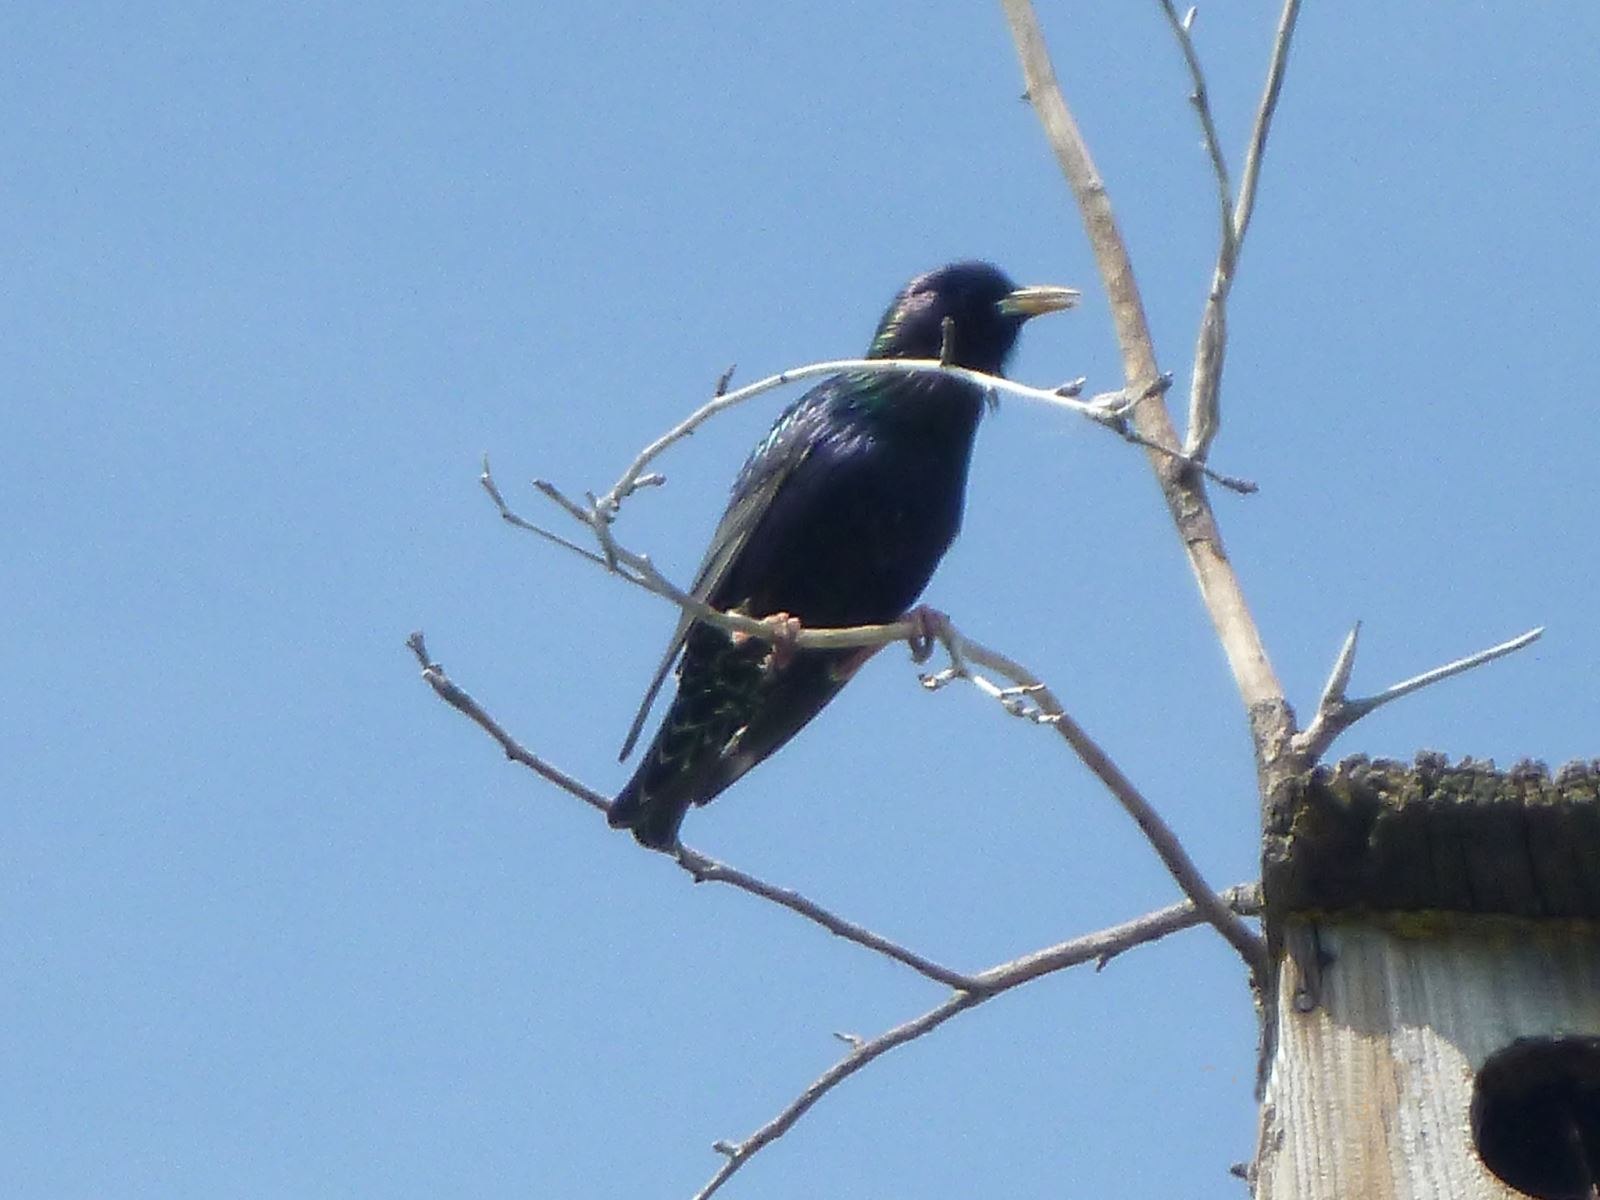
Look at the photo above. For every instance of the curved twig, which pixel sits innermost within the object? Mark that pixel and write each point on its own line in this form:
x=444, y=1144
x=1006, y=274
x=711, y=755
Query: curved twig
x=628, y=483
x=1098, y=947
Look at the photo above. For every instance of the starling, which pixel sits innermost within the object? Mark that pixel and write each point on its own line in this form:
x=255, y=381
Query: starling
x=839, y=517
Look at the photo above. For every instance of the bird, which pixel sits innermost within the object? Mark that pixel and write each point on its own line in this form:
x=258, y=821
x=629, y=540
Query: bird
x=838, y=517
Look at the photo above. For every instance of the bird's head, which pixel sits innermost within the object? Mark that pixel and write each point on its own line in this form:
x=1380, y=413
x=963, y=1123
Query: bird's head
x=985, y=308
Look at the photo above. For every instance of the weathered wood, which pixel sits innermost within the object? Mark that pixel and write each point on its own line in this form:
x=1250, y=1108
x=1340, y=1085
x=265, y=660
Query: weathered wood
x=1383, y=836
x=1429, y=920
x=1382, y=1025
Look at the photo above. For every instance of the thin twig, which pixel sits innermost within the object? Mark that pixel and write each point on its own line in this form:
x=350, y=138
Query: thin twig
x=1116, y=405
x=1205, y=414
x=1245, y=208
x=1336, y=712
x=1199, y=98
x=709, y=870
x=612, y=500
x=433, y=675
x=1163, y=382
x=1095, y=947
x=513, y=519
x=740, y=1153
x=638, y=570
x=1333, y=692
x=697, y=865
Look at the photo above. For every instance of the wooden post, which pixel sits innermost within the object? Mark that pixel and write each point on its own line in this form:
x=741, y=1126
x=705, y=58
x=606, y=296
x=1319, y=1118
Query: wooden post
x=1435, y=1030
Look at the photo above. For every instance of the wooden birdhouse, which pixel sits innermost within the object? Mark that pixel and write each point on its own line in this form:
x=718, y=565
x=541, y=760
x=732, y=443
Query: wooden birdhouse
x=1435, y=1030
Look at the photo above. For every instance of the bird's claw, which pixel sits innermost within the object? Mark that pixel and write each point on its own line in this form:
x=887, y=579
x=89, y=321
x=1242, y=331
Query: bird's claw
x=786, y=632
x=929, y=627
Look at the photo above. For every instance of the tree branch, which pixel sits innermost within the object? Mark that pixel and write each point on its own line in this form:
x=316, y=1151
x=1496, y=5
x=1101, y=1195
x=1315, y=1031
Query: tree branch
x=969, y=990
x=1245, y=208
x=859, y=1056
x=1026, y=697
x=1205, y=413
x=1102, y=409
x=1183, y=30
x=1183, y=488
x=1043, y=707
x=1098, y=947
x=1336, y=712
x=709, y=870
x=699, y=867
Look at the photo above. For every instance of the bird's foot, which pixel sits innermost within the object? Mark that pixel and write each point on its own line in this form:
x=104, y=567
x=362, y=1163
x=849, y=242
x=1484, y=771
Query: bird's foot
x=786, y=632
x=930, y=626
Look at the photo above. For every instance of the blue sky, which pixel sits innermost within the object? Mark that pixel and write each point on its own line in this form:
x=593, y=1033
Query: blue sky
x=278, y=923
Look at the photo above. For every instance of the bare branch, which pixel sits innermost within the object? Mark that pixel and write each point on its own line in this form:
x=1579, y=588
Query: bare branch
x=970, y=989
x=1245, y=208
x=1339, y=678
x=638, y=570
x=1117, y=404
x=1243, y=899
x=1183, y=488
x=722, y=400
x=740, y=1153
x=709, y=870
x=511, y=518
x=698, y=866
x=1027, y=697
x=1234, y=483
x=1336, y=712
x=433, y=675
x=1180, y=866
x=1095, y=947
x=1182, y=29
x=1205, y=414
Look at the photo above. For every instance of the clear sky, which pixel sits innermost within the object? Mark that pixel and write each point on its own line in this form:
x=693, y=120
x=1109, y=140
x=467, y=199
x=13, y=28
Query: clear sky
x=278, y=923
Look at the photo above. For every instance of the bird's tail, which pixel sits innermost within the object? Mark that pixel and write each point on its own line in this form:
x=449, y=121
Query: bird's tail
x=653, y=813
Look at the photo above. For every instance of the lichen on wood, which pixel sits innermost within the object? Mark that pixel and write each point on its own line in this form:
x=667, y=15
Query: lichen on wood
x=1380, y=835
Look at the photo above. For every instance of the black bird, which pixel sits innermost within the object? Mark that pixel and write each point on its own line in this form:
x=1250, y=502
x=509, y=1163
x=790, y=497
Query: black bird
x=839, y=517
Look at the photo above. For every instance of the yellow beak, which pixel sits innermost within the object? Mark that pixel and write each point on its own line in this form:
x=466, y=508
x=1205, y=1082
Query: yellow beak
x=1037, y=300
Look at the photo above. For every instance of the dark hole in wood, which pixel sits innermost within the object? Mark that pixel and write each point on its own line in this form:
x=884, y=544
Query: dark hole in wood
x=1536, y=1116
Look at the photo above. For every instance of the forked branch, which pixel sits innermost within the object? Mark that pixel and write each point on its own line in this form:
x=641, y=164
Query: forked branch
x=1181, y=485
x=1205, y=414
x=968, y=990
x=1336, y=711
x=1024, y=695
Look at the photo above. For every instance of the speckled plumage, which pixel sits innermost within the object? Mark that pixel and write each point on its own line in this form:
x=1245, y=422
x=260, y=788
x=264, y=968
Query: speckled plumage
x=839, y=517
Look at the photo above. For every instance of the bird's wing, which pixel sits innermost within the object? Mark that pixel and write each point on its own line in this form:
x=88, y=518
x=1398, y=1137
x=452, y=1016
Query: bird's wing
x=770, y=464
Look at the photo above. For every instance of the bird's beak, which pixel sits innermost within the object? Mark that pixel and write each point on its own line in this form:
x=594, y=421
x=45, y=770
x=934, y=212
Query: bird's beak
x=1035, y=301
